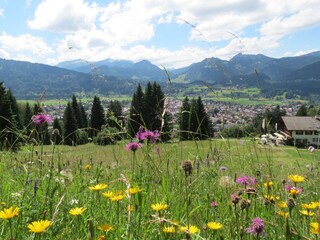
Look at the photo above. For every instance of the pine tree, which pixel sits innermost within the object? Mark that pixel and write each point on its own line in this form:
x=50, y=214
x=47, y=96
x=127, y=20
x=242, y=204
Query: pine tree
x=7, y=127
x=15, y=110
x=27, y=117
x=184, y=119
x=37, y=109
x=193, y=120
x=148, y=111
x=158, y=106
x=77, y=112
x=97, y=116
x=302, y=111
x=84, y=116
x=114, y=115
x=205, y=125
x=70, y=126
x=135, y=114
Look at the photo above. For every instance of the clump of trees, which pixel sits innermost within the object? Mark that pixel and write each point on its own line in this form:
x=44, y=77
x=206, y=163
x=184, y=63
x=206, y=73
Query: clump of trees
x=147, y=110
x=194, y=122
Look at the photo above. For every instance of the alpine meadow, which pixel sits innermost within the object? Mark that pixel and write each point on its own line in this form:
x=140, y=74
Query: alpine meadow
x=159, y=120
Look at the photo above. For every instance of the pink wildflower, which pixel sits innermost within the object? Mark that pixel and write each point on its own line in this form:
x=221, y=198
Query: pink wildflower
x=133, y=146
x=41, y=119
x=257, y=227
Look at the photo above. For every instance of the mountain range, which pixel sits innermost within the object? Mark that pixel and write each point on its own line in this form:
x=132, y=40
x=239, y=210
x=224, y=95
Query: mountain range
x=28, y=80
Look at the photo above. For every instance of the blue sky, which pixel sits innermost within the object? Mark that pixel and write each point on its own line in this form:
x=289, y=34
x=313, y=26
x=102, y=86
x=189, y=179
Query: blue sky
x=171, y=33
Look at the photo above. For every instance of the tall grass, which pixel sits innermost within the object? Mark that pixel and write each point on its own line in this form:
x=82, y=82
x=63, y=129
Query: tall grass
x=45, y=182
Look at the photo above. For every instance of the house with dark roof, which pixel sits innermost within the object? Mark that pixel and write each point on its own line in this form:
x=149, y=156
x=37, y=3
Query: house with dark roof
x=304, y=130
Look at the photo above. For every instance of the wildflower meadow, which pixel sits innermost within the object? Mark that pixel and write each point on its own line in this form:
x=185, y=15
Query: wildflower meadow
x=145, y=189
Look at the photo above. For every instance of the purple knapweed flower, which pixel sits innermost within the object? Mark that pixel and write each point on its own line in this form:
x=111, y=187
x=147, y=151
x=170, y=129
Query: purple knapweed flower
x=139, y=133
x=147, y=135
x=41, y=119
x=257, y=228
x=235, y=198
x=133, y=146
x=214, y=204
x=245, y=180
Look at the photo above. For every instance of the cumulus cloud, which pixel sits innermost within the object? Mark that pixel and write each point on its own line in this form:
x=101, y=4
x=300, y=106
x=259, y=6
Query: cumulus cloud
x=24, y=45
x=119, y=29
x=64, y=16
x=1, y=12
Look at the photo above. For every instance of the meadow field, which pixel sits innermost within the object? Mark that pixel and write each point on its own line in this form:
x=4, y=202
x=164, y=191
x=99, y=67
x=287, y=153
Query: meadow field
x=214, y=189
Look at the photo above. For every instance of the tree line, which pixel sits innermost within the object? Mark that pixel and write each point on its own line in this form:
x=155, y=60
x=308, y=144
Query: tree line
x=148, y=110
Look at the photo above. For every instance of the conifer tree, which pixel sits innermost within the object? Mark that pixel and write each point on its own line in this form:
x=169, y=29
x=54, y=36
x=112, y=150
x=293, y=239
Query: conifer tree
x=135, y=114
x=77, y=112
x=205, y=125
x=7, y=127
x=97, y=116
x=84, y=116
x=193, y=120
x=158, y=106
x=27, y=117
x=70, y=126
x=37, y=109
x=148, y=110
x=15, y=110
x=114, y=114
x=302, y=111
x=184, y=119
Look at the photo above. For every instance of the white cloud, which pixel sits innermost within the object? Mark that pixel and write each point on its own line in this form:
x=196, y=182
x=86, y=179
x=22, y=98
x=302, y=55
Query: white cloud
x=4, y=54
x=24, y=45
x=303, y=52
x=119, y=29
x=1, y=12
x=64, y=16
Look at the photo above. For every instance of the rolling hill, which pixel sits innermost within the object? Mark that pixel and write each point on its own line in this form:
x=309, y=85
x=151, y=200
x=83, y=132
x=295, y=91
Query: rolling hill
x=27, y=80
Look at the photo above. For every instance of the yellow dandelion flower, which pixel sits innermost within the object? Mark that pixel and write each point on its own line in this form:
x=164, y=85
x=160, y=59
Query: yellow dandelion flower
x=282, y=204
x=87, y=167
x=9, y=213
x=283, y=214
x=307, y=213
x=268, y=184
x=105, y=227
x=296, y=178
x=191, y=229
x=294, y=191
x=159, y=206
x=316, y=203
x=117, y=197
x=108, y=194
x=134, y=190
x=102, y=237
x=312, y=205
x=77, y=211
x=315, y=229
x=169, y=229
x=39, y=226
x=214, y=225
x=98, y=187
x=271, y=198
